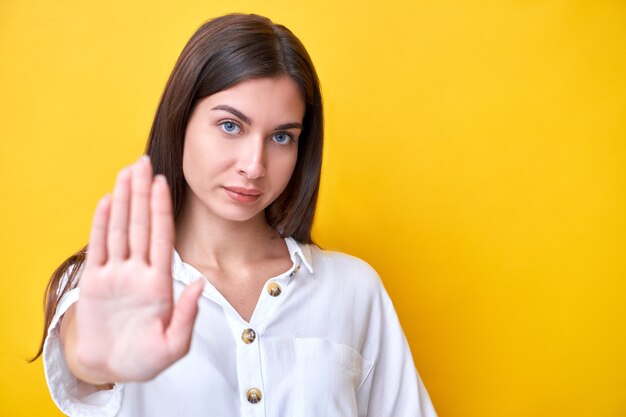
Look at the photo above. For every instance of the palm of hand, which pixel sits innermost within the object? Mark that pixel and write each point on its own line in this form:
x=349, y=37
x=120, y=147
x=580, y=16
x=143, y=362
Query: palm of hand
x=128, y=328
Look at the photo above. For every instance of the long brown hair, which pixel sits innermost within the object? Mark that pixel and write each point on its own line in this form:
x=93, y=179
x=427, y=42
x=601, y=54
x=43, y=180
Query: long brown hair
x=221, y=53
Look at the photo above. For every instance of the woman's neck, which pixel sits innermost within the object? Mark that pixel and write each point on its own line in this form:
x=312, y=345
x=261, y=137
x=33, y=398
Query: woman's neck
x=221, y=243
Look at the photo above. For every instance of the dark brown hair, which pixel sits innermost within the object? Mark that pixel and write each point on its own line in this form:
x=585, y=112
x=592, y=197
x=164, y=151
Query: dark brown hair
x=221, y=53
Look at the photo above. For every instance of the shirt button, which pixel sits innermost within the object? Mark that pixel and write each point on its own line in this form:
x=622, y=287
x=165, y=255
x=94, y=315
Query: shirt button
x=274, y=289
x=248, y=336
x=254, y=395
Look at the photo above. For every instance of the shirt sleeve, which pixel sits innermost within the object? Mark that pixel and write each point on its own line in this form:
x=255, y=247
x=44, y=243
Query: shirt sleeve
x=393, y=387
x=73, y=396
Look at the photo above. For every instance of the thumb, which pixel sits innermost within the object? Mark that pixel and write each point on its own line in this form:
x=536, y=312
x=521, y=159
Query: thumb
x=178, y=333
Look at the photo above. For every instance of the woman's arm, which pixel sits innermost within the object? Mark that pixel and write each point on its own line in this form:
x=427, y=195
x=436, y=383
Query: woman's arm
x=393, y=387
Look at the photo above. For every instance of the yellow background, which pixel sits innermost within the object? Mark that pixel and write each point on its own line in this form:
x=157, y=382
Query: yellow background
x=475, y=156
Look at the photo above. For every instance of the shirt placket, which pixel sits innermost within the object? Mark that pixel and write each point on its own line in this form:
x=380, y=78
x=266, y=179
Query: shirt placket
x=249, y=342
x=249, y=376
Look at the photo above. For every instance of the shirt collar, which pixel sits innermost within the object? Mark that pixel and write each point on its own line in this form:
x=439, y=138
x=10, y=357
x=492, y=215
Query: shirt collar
x=302, y=250
x=297, y=251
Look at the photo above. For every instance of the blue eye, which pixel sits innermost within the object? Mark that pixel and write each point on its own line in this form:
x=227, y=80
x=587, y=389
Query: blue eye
x=282, y=138
x=230, y=127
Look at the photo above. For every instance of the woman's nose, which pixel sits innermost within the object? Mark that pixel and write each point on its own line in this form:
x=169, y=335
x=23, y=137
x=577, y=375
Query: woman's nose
x=252, y=158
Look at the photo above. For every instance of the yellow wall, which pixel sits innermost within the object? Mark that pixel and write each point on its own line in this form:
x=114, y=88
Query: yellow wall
x=475, y=156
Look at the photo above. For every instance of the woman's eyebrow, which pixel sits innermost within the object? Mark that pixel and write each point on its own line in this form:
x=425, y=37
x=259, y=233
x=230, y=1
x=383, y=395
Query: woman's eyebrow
x=294, y=125
x=232, y=110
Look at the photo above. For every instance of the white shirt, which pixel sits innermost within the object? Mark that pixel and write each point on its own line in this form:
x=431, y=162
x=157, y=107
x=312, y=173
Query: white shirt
x=326, y=342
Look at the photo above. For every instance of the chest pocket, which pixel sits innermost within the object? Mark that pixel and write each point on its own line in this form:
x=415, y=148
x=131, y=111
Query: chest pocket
x=327, y=377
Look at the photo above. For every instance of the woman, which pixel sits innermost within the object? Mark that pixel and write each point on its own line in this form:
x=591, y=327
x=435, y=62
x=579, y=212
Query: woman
x=264, y=323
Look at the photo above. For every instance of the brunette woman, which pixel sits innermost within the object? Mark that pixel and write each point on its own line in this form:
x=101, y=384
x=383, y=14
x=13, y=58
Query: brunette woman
x=238, y=313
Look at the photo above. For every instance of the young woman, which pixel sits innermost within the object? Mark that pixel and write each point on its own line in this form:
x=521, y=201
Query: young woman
x=265, y=323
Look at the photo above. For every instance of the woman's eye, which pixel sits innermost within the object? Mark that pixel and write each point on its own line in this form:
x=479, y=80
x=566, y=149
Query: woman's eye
x=282, y=138
x=230, y=127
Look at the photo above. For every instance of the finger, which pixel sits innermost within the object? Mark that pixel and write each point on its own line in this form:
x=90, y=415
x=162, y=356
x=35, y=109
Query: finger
x=97, y=250
x=178, y=333
x=139, y=232
x=117, y=237
x=162, y=236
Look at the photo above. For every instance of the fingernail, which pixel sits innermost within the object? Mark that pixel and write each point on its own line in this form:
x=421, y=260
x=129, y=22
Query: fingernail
x=145, y=158
x=104, y=201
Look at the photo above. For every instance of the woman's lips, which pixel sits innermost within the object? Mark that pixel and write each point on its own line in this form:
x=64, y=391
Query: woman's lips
x=243, y=195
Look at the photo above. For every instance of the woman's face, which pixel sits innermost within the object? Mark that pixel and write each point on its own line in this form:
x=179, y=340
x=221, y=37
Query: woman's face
x=241, y=148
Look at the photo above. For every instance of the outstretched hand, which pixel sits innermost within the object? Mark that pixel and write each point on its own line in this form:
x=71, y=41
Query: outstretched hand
x=127, y=327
